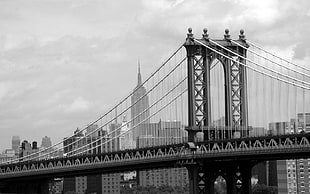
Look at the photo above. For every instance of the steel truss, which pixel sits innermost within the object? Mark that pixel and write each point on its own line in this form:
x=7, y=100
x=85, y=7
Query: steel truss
x=254, y=149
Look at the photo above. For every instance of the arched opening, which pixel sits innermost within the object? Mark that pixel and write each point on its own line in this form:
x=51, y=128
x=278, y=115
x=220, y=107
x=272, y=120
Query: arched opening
x=220, y=185
x=217, y=95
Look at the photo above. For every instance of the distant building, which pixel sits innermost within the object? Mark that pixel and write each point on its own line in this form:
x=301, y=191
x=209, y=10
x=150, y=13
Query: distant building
x=7, y=155
x=75, y=145
x=46, y=142
x=146, y=134
x=111, y=183
x=140, y=107
x=28, y=149
x=9, y=152
x=15, y=143
x=257, y=131
x=56, y=186
x=92, y=142
x=293, y=176
x=303, y=120
x=163, y=133
x=126, y=136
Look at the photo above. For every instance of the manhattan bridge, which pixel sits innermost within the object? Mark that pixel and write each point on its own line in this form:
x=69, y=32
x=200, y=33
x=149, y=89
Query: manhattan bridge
x=227, y=94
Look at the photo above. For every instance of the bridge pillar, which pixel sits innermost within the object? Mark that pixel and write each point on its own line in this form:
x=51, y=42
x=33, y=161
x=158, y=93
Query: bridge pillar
x=193, y=179
x=33, y=186
x=202, y=176
x=200, y=56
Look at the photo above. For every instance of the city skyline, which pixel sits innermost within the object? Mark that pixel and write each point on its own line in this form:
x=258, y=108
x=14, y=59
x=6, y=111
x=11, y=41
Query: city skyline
x=56, y=68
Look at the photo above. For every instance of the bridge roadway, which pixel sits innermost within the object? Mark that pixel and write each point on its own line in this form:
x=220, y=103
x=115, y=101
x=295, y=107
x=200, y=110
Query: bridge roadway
x=243, y=149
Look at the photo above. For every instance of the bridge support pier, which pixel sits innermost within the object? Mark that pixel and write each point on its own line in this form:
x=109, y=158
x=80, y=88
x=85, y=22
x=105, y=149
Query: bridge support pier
x=237, y=176
x=33, y=186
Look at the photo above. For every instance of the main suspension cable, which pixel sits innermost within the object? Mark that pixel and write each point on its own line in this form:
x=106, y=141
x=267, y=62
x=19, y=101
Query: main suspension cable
x=272, y=61
x=304, y=68
x=266, y=74
x=266, y=68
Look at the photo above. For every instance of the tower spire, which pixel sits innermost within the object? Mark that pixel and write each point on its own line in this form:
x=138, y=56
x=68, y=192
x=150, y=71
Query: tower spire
x=139, y=74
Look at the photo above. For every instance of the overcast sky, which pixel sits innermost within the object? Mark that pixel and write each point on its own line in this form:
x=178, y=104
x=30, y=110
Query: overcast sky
x=64, y=62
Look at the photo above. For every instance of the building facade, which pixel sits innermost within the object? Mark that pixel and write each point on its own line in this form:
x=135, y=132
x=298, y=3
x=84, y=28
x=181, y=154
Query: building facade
x=293, y=176
x=46, y=142
x=16, y=144
x=140, y=107
x=163, y=133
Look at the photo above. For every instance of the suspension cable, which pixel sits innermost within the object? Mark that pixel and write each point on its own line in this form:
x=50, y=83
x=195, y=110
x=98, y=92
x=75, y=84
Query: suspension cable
x=272, y=61
x=110, y=110
x=105, y=124
x=266, y=74
x=171, y=101
x=149, y=91
x=304, y=68
x=266, y=68
x=106, y=135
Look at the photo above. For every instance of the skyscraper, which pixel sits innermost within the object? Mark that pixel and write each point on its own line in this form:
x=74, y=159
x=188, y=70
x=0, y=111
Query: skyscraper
x=140, y=107
x=15, y=143
x=46, y=142
x=293, y=176
x=147, y=134
x=163, y=133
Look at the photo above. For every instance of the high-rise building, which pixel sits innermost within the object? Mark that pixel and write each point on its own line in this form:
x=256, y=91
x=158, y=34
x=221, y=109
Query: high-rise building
x=303, y=120
x=140, y=107
x=15, y=143
x=163, y=133
x=7, y=155
x=29, y=149
x=93, y=142
x=75, y=145
x=46, y=142
x=147, y=134
x=126, y=136
x=293, y=176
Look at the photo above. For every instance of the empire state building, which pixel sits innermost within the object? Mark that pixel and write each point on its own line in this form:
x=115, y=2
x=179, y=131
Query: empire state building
x=140, y=108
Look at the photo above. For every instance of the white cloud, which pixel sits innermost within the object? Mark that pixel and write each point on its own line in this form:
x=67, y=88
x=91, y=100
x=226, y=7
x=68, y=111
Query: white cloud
x=264, y=11
x=78, y=105
x=4, y=89
x=58, y=58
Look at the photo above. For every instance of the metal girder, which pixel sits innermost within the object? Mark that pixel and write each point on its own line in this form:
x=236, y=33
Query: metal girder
x=199, y=102
x=258, y=148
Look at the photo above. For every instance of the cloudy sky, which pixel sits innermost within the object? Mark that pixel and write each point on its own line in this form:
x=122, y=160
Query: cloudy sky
x=64, y=62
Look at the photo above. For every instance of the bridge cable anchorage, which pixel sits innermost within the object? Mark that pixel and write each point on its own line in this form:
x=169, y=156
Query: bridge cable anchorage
x=272, y=61
x=264, y=67
x=274, y=55
x=263, y=73
x=35, y=155
x=111, y=139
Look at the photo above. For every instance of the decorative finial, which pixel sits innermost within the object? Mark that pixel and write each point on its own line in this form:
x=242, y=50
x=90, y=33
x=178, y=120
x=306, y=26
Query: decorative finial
x=205, y=34
x=242, y=36
x=190, y=34
x=227, y=35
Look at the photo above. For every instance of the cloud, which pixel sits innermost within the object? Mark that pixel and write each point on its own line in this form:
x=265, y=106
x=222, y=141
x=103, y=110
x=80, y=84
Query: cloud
x=4, y=88
x=301, y=51
x=78, y=105
x=66, y=61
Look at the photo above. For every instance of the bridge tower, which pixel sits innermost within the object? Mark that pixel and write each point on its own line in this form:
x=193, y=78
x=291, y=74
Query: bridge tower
x=200, y=55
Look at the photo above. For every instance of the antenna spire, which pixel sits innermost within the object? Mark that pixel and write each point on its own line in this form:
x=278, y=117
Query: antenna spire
x=139, y=74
